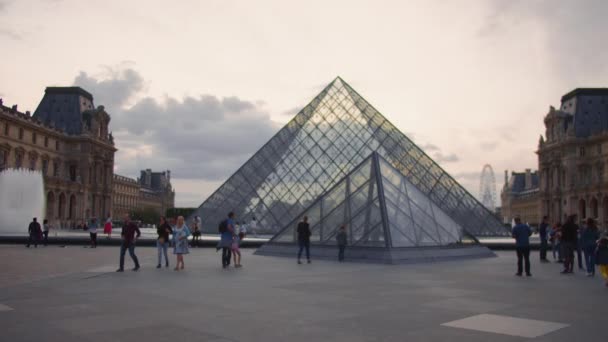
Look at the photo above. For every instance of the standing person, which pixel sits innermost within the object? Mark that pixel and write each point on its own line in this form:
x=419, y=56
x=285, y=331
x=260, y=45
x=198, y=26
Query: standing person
x=180, y=242
x=579, y=249
x=93, y=232
x=253, y=225
x=236, y=251
x=555, y=236
x=107, y=227
x=162, y=242
x=568, y=242
x=602, y=257
x=128, y=234
x=342, y=240
x=196, y=235
x=304, y=239
x=543, y=234
x=34, y=232
x=226, y=231
x=588, y=242
x=46, y=226
x=521, y=233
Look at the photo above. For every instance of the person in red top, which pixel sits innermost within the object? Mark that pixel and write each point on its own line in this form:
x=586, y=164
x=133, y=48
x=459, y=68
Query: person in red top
x=129, y=229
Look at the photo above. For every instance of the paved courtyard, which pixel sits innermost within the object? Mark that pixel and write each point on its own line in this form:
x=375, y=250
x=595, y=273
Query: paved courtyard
x=73, y=294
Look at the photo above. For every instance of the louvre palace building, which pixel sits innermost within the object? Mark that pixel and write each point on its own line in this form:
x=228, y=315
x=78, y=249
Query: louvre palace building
x=67, y=139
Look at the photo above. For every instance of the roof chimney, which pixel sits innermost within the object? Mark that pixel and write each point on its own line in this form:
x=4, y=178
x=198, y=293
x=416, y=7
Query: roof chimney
x=506, y=177
x=528, y=179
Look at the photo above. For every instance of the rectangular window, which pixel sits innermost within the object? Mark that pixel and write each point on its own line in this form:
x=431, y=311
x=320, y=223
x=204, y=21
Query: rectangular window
x=34, y=137
x=72, y=170
x=582, y=152
x=20, y=133
x=45, y=167
x=6, y=129
x=57, y=145
x=46, y=141
x=55, y=169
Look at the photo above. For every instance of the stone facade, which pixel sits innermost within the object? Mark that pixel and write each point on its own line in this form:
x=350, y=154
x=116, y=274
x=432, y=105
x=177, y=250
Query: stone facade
x=519, y=197
x=126, y=196
x=572, y=157
x=67, y=139
x=151, y=190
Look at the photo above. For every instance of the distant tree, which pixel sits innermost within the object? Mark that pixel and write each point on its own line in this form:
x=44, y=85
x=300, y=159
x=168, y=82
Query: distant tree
x=175, y=212
x=147, y=215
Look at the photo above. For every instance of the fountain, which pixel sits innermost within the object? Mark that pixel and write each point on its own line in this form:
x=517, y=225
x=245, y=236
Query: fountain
x=21, y=199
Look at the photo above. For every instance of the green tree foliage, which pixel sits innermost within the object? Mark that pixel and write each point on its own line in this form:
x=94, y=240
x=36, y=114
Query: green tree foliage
x=175, y=212
x=147, y=215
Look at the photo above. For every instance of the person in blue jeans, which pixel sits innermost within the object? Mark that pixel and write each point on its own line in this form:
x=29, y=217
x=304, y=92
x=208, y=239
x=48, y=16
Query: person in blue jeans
x=162, y=242
x=130, y=233
x=521, y=233
x=589, y=236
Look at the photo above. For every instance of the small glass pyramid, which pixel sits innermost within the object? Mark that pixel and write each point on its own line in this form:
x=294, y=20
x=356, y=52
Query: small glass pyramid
x=324, y=142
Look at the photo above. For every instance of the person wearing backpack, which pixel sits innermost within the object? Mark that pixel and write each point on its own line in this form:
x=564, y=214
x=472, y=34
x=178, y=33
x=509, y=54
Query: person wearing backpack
x=226, y=230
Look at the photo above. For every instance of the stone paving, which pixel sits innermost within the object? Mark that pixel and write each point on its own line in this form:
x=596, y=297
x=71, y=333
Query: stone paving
x=73, y=294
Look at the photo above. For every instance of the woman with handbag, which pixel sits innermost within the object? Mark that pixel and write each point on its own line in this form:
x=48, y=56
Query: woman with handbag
x=180, y=241
x=162, y=243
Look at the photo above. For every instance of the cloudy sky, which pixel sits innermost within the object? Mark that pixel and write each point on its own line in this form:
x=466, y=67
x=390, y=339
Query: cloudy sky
x=198, y=86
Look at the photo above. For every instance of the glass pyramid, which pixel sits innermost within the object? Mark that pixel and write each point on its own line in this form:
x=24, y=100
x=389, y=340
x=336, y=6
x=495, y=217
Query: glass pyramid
x=326, y=140
x=380, y=208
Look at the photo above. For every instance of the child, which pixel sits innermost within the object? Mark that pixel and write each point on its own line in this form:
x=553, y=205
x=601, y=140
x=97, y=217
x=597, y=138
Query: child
x=236, y=252
x=341, y=238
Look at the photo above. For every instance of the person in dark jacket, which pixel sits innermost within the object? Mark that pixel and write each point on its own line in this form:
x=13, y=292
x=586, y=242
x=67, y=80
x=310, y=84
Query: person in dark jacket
x=589, y=236
x=34, y=232
x=569, y=241
x=128, y=234
x=521, y=233
x=341, y=238
x=227, y=234
x=162, y=242
x=543, y=233
x=304, y=239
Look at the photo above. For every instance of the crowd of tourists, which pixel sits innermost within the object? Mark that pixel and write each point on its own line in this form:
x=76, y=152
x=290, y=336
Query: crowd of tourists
x=569, y=242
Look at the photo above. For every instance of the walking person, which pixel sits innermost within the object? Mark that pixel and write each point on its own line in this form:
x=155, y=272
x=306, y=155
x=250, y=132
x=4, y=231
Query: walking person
x=162, y=242
x=569, y=239
x=341, y=238
x=304, y=239
x=34, y=232
x=236, y=251
x=46, y=226
x=93, y=232
x=107, y=227
x=589, y=236
x=226, y=230
x=128, y=234
x=543, y=233
x=521, y=233
x=601, y=257
x=180, y=242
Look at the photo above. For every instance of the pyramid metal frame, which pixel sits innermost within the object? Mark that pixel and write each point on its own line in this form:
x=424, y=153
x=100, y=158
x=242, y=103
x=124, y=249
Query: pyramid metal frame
x=317, y=148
